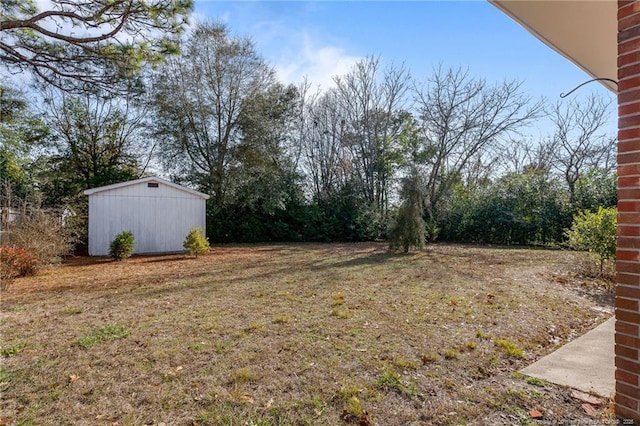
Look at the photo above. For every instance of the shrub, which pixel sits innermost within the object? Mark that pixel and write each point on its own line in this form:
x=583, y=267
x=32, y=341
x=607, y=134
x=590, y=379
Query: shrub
x=530, y=208
x=42, y=233
x=122, y=245
x=196, y=243
x=595, y=233
x=409, y=228
x=510, y=348
x=16, y=262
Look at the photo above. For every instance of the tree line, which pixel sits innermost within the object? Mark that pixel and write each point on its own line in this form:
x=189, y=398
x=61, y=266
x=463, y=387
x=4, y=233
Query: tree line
x=294, y=163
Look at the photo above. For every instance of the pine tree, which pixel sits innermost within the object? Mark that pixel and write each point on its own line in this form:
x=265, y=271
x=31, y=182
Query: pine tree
x=409, y=228
x=195, y=242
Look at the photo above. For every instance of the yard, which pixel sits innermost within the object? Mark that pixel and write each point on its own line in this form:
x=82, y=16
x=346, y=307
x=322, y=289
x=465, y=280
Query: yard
x=305, y=334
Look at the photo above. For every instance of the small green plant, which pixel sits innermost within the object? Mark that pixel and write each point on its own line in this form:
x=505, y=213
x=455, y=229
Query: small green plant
x=389, y=380
x=510, y=348
x=337, y=299
x=108, y=332
x=342, y=313
x=405, y=364
x=220, y=347
x=254, y=326
x=197, y=346
x=196, y=243
x=13, y=349
x=354, y=407
x=518, y=375
x=430, y=357
x=347, y=391
x=471, y=345
x=354, y=413
x=282, y=319
x=5, y=375
x=242, y=375
x=595, y=233
x=122, y=245
x=451, y=354
x=482, y=335
x=537, y=382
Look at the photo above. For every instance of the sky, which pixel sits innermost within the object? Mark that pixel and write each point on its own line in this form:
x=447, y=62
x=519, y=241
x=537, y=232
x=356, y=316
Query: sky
x=321, y=39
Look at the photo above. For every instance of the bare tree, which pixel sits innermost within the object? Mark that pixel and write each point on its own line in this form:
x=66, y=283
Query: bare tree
x=462, y=117
x=98, y=139
x=522, y=156
x=198, y=99
x=580, y=142
x=325, y=159
x=372, y=101
x=88, y=42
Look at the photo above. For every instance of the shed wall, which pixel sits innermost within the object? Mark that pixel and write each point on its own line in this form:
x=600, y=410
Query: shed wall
x=160, y=218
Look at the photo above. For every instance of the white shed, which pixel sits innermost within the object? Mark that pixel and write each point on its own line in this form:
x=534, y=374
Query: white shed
x=159, y=213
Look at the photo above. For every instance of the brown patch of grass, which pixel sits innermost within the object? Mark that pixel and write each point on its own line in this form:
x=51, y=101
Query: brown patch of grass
x=291, y=334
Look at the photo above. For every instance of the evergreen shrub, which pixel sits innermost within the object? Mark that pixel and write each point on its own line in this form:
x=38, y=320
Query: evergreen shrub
x=196, y=243
x=122, y=245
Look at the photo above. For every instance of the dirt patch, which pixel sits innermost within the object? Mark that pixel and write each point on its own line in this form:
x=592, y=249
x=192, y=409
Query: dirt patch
x=296, y=334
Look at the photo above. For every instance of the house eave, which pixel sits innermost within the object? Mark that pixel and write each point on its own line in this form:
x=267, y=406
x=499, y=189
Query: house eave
x=582, y=31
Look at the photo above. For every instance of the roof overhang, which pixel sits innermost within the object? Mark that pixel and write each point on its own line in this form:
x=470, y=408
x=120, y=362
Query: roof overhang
x=145, y=180
x=583, y=31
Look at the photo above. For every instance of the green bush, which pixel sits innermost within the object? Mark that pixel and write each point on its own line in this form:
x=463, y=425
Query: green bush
x=196, y=243
x=595, y=233
x=527, y=209
x=122, y=245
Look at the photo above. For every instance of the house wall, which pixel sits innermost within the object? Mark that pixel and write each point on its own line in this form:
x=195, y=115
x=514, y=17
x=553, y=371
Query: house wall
x=627, y=301
x=160, y=218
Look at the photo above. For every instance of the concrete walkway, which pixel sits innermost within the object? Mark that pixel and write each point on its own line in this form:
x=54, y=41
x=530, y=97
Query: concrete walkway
x=585, y=364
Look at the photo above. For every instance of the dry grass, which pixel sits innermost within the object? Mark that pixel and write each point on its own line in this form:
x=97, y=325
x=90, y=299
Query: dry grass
x=292, y=335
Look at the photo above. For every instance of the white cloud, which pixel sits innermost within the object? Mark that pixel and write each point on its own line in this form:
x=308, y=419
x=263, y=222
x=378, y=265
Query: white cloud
x=319, y=64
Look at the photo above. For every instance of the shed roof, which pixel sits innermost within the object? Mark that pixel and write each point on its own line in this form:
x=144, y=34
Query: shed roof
x=145, y=180
x=582, y=31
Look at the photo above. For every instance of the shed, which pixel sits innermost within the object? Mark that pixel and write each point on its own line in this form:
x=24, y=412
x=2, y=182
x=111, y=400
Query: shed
x=159, y=213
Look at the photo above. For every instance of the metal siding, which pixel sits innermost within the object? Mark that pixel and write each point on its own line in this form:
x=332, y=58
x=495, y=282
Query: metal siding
x=160, y=218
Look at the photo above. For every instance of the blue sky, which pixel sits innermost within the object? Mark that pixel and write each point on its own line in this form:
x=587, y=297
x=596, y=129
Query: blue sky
x=323, y=38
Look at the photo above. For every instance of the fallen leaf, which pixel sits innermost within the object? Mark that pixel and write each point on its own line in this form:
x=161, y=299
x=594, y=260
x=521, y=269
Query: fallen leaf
x=535, y=414
x=364, y=420
x=73, y=378
x=585, y=397
x=6, y=421
x=588, y=408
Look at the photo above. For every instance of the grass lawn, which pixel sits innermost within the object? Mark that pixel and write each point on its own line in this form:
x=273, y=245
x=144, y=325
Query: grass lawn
x=305, y=334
